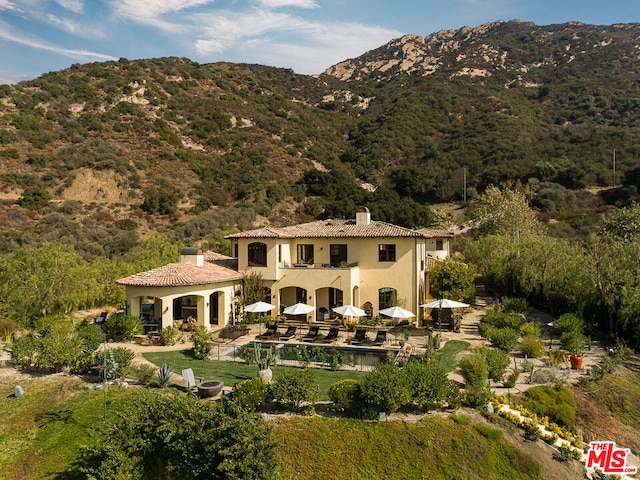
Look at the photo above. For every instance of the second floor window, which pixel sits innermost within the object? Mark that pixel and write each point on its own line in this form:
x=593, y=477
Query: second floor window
x=337, y=255
x=386, y=253
x=257, y=254
x=305, y=254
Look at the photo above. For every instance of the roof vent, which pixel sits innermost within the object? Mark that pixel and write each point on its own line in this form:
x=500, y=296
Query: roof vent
x=363, y=216
x=192, y=255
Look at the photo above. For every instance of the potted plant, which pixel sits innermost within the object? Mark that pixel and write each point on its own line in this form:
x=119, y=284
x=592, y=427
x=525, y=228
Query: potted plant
x=264, y=359
x=575, y=343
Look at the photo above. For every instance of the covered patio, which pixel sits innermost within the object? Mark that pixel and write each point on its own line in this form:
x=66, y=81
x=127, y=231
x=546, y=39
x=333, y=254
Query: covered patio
x=198, y=290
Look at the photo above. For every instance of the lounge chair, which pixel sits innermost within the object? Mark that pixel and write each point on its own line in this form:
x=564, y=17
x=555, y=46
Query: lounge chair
x=381, y=338
x=312, y=334
x=291, y=331
x=190, y=379
x=270, y=333
x=360, y=337
x=332, y=336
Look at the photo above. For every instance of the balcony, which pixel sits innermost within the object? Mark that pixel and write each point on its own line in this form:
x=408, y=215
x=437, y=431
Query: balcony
x=346, y=275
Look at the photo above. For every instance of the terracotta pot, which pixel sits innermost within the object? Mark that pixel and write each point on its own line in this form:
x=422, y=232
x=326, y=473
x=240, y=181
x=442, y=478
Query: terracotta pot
x=265, y=375
x=576, y=362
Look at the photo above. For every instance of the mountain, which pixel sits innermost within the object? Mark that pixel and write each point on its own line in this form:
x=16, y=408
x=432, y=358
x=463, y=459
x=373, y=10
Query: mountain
x=102, y=154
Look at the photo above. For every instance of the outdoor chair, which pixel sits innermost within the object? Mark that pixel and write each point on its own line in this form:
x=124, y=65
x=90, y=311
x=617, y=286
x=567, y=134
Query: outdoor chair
x=270, y=333
x=332, y=336
x=360, y=337
x=312, y=334
x=381, y=338
x=190, y=379
x=291, y=331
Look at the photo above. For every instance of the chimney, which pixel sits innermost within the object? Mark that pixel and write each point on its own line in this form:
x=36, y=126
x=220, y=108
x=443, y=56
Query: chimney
x=363, y=216
x=192, y=255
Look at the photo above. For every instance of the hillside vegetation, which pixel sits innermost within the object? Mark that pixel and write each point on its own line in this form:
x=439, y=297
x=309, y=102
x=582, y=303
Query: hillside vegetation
x=108, y=152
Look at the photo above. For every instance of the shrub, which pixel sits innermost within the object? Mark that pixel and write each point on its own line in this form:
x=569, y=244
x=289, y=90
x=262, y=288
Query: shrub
x=123, y=326
x=34, y=198
x=503, y=338
x=460, y=419
x=474, y=369
x=427, y=381
x=553, y=402
x=169, y=335
x=250, y=394
x=530, y=329
x=497, y=362
x=515, y=305
x=569, y=322
x=25, y=351
x=502, y=320
x=202, y=342
x=118, y=362
x=91, y=335
x=574, y=342
x=59, y=351
x=295, y=388
x=512, y=379
x=531, y=347
x=454, y=395
x=385, y=388
x=488, y=432
x=344, y=394
x=172, y=435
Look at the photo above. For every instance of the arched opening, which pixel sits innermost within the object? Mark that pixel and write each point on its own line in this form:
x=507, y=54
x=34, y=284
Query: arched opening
x=387, y=297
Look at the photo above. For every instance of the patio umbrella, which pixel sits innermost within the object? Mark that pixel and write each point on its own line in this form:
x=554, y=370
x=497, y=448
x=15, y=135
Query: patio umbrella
x=444, y=303
x=349, y=311
x=396, y=312
x=299, y=309
x=259, y=307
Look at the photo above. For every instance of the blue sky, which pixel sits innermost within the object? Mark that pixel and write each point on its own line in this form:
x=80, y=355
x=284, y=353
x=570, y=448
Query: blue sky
x=38, y=36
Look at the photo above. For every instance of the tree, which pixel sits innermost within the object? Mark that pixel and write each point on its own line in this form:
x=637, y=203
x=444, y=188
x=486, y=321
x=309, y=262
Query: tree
x=452, y=279
x=154, y=252
x=39, y=281
x=505, y=212
x=164, y=435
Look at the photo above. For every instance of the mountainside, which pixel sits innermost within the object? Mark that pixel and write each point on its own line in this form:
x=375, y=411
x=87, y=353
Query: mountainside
x=101, y=154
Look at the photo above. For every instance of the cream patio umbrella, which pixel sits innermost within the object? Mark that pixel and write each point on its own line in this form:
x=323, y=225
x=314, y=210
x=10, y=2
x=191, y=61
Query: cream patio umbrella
x=259, y=307
x=299, y=309
x=444, y=303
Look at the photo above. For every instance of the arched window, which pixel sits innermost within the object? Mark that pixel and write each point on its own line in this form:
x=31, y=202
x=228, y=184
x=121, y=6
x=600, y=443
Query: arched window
x=387, y=297
x=257, y=254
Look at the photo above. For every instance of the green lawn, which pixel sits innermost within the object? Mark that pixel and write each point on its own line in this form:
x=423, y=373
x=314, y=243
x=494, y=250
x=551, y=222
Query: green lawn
x=446, y=356
x=233, y=372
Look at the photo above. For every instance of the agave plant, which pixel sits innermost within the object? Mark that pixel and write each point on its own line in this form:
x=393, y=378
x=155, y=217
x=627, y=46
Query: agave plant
x=164, y=376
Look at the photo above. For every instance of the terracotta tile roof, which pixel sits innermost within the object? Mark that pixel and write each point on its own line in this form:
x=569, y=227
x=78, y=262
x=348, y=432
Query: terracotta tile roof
x=436, y=233
x=183, y=274
x=222, y=260
x=332, y=229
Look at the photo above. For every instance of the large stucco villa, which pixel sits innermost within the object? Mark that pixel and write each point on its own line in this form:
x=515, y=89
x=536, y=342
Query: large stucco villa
x=326, y=263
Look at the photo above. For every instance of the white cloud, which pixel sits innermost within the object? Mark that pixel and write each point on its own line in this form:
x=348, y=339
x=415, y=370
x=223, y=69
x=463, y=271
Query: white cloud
x=288, y=3
x=8, y=5
x=285, y=40
x=75, y=6
x=140, y=10
x=81, y=55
